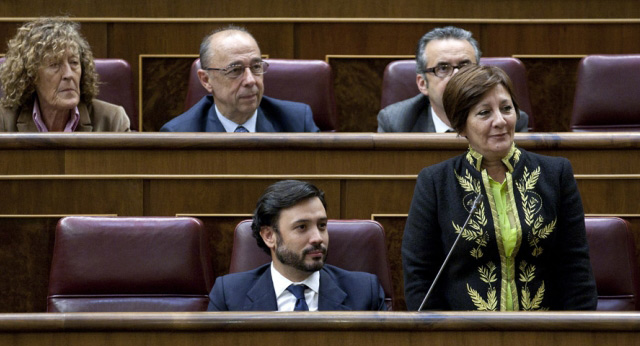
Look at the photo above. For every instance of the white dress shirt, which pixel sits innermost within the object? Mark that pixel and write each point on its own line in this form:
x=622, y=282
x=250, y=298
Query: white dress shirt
x=286, y=300
x=440, y=126
x=230, y=126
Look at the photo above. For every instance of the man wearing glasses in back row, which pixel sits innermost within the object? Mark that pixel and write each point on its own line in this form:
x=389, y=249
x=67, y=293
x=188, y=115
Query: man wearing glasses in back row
x=440, y=53
x=232, y=72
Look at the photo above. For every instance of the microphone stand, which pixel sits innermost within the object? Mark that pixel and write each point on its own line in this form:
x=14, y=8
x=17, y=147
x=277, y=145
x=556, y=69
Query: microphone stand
x=433, y=284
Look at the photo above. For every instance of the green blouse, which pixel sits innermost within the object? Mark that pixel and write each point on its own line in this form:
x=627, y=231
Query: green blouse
x=508, y=231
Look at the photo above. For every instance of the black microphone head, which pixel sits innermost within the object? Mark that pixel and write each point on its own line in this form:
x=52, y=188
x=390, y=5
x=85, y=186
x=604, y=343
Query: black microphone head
x=476, y=201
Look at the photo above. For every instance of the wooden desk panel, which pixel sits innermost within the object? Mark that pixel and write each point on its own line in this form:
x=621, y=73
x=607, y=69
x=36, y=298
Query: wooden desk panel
x=321, y=328
x=46, y=196
x=32, y=162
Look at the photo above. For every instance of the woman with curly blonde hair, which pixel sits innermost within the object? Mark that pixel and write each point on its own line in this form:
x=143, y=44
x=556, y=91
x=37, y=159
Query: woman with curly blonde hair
x=50, y=82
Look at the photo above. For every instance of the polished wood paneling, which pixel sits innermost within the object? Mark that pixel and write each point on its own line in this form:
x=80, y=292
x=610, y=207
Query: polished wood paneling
x=321, y=328
x=566, y=38
x=26, y=247
x=393, y=230
x=220, y=229
x=222, y=161
x=314, y=154
x=70, y=196
x=164, y=89
x=222, y=196
x=329, y=8
x=552, y=84
x=31, y=162
x=624, y=195
x=358, y=90
x=362, y=38
x=94, y=32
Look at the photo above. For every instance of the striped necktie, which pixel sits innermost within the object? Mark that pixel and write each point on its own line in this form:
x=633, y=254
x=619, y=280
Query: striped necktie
x=298, y=292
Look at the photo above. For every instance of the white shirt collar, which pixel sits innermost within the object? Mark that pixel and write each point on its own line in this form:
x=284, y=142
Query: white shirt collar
x=439, y=125
x=230, y=126
x=280, y=284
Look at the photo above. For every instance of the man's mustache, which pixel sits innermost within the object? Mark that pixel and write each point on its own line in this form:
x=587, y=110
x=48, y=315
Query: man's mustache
x=318, y=247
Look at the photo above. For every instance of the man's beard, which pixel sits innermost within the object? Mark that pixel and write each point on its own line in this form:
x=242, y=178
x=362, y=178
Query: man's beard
x=290, y=258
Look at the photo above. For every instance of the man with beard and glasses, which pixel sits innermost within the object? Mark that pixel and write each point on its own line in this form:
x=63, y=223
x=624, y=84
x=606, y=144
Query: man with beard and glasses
x=290, y=224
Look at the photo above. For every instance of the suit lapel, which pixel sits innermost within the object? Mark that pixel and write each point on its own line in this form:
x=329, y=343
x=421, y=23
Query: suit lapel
x=25, y=121
x=84, y=125
x=213, y=124
x=331, y=296
x=424, y=122
x=262, y=297
x=262, y=123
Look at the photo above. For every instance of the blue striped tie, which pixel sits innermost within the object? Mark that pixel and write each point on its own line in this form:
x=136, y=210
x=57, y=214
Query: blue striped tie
x=298, y=292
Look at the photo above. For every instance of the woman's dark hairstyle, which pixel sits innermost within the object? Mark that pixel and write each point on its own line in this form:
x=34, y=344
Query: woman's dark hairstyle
x=467, y=87
x=281, y=195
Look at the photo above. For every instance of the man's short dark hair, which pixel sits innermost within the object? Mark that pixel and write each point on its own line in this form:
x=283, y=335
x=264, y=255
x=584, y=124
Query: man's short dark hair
x=205, y=46
x=281, y=195
x=449, y=32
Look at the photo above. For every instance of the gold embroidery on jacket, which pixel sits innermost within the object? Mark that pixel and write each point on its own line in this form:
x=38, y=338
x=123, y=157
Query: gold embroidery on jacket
x=531, y=206
x=474, y=231
x=487, y=275
x=527, y=274
x=511, y=204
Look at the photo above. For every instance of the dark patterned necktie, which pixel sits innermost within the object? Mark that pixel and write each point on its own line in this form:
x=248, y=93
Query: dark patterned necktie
x=298, y=292
x=241, y=129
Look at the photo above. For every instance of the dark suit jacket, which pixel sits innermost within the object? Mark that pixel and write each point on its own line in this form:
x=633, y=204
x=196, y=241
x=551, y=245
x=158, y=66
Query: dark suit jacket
x=339, y=290
x=273, y=116
x=414, y=115
x=98, y=116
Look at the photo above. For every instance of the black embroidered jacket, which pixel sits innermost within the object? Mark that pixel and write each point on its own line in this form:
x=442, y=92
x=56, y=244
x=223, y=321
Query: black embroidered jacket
x=549, y=268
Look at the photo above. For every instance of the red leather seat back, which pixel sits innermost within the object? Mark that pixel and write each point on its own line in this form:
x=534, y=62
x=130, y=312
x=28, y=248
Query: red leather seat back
x=116, y=86
x=356, y=245
x=399, y=81
x=613, y=259
x=306, y=81
x=606, y=96
x=130, y=264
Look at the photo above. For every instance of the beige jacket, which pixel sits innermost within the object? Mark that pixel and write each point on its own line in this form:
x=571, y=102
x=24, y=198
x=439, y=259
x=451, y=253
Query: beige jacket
x=98, y=116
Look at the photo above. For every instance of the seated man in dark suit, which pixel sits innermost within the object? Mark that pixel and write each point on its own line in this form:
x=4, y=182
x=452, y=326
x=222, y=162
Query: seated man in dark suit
x=440, y=53
x=232, y=70
x=290, y=223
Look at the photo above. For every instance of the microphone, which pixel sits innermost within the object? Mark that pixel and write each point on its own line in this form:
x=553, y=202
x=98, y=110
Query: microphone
x=433, y=284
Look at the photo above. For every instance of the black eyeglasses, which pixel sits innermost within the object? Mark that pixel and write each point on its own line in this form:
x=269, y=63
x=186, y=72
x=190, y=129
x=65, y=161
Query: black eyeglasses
x=445, y=70
x=235, y=71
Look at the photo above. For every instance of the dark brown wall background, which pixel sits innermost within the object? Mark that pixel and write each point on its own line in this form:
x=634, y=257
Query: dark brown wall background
x=328, y=8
